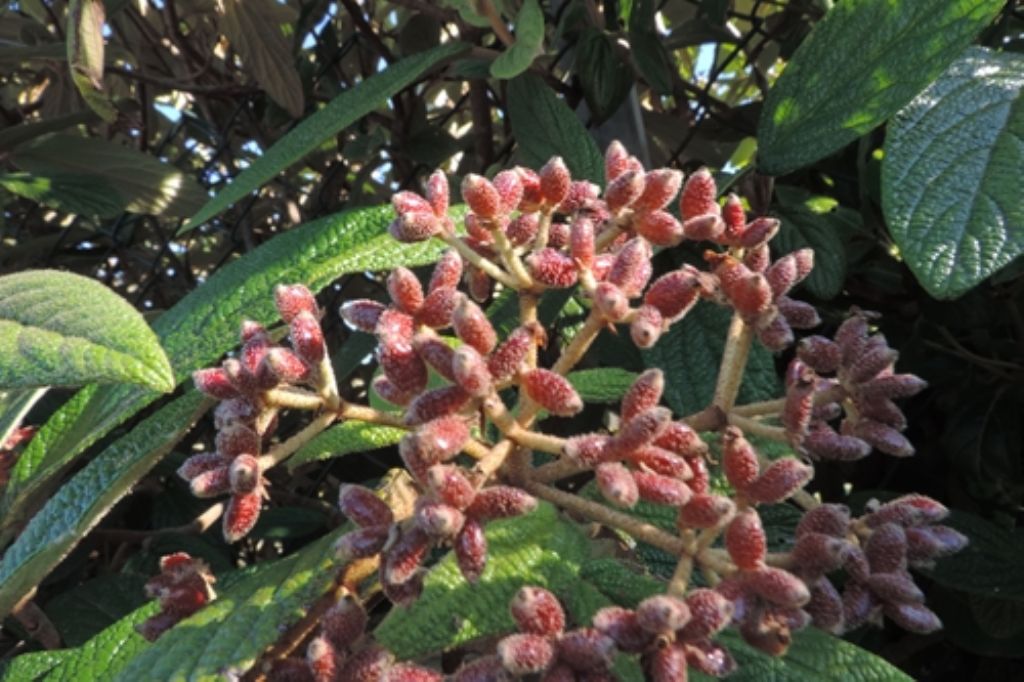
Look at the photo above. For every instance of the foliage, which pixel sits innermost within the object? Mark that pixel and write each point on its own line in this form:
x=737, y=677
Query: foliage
x=166, y=165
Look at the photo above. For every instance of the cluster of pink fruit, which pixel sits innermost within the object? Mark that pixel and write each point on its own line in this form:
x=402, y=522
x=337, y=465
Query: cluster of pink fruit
x=528, y=232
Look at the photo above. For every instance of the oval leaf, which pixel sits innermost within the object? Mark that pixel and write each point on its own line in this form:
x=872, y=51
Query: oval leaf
x=601, y=385
x=820, y=223
x=604, y=76
x=82, y=194
x=529, y=40
x=62, y=329
x=951, y=173
x=344, y=439
x=343, y=111
x=825, y=99
x=81, y=502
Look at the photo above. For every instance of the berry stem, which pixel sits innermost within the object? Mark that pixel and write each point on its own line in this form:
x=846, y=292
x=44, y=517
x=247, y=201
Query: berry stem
x=287, y=448
x=528, y=313
x=757, y=428
x=768, y=408
x=734, y=362
x=492, y=270
x=543, y=230
x=293, y=399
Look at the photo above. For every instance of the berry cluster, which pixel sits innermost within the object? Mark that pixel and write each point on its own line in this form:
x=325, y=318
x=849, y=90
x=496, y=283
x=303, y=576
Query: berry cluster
x=183, y=586
x=468, y=451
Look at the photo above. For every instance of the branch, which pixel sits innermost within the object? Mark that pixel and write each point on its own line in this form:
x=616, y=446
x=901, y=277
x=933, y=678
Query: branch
x=734, y=362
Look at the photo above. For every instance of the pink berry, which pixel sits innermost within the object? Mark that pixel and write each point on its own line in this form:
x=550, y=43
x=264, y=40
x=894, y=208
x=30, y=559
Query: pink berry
x=660, y=187
x=437, y=193
x=758, y=231
x=323, y=659
x=616, y=160
x=779, y=481
x=646, y=327
x=437, y=308
x=405, y=290
x=704, y=511
x=436, y=353
x=410, y=202
x=588, y=450
x=709, y=613
x=471, y=373
x=391, y=393
x=660, y=461
x=739, y=459
x=641, y=429
x=703, y=228
x=241, y=515
x=660, y=228
x=499, y=502
x=553, y=392
x=909, y=510
x=662, y=613
x=439, y=521
x=214, y=382
x=611, y=302
x=362, y=314
x=471, y=550
x=472, y=326
x=403, y=558
x=509, y=188
x=661, y=489
x=552, y=268
x=523, y=229
x=746, y=541
x=507, y=359
x=777, y=586
x=402, y=366
x=674, y=294
x=617, y=484
x=449, y=485
x=581, y=242
x=735, y=218
x=481, y=196
x=679, y=438
x=537, y=611
x=294, y=299
x=285, y=366
x=447, y=272
x=643, y=394
x=827, y=519
x=554, y=181
x=524, y=654
x=632, y=267
x=363, y=507
x=698, y=196
x=201, y=463
x=624, y=190
x=415, y=227
x=817, y=553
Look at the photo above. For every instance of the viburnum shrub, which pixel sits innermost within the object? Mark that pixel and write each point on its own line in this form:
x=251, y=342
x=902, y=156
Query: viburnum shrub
x=475, y=453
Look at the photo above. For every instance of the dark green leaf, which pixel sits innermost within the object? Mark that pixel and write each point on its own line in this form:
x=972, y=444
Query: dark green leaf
x=343, y=111
x=544, y=126
x=689, y=354
x=87, y=195
x=951, y=173
x=86, y=609
x=820, y=223
x=344, y=439
x=62, y=329
x=529, y=42
x=603, y=385
x=146, y=184
x=647, y=47
x=83, y=501
x=981, y=568
x=105, y=654
x=825, y=99
x=604, y=76
x=536, y=549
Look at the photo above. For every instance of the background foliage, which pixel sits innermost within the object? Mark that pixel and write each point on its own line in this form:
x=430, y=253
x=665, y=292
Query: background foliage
x=190, y=155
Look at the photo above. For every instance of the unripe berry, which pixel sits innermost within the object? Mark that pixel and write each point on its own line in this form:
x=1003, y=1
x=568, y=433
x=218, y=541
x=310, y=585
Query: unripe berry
x=507, y=358
x=745, y=540
x=437, y=308
x=704, y=511
x=909, y=510
x=362, y=314
x=624, y=190
x=646, y=327
x=214, y=382
x=735, y=218
x=674, y=294
x=523, y=654
x=893, y=386
x=823, y=442
x=913, y=618
x=537, y=611
x=410, y=202
x=294, y=299
x=777, y=586
x=586, y=649
x=817, y=553
x=471, y=550
x=244, y=474
x=447, y=272
x=632, y=267
x=825, y=607
x=211, y=483
x=858, y=605
x=588, y=450
x=344, y=622
x=481, y=196
x=662, y=613
x=241, y=515
x=662, y=489
x=449, y=485
x=523, y=229
x=439, y=402
x=758, y=231
x=323, y=659
x=703, y=228
x=616, y=160
x=622, y=626
x=363, y=507
x=820, y=353
x=643, y=394
x=827, y=519
x=472, y=326
x=581, y=242
x=668, y=664
x=553, y=392
x=471, y=373
x=439, y=521
x=554, y=181
x=499, y=502
x=436, y=353
x=698, y=196
x=680, y=438
x=415, y=227
x=362, y=543
x=611, y=302
x=201, y=463
x=885, y=438
x=779, y=481
x=552, y=268
x=931, y=542
x=661, y=461
x=617, y=484
x=886, y=549
x=739, y=459
x=709, y=613
x=896, y=587
x=660, y=187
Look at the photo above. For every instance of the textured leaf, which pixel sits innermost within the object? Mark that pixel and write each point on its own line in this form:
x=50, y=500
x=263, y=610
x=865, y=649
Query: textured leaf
x=204, y=324
x=62, y=329
x=824, y=99
x=341, y=112
x=536, y=549
x=621, y=584
x=84, y=610
x=145, y=183
x=106, y=653
x=85, y=55
x=254, y=30
x=344, y=439
x=528, y=44
x=689, y=354
x=604, y=76
x=226, y=637
x=83, y=194
x=814, y=656
x=545, y=126
x=603, y=385
x=647, y=47
x=981, y=567
x=820, y=223
x=951, y=173
x=81, y=502
x=32, y=666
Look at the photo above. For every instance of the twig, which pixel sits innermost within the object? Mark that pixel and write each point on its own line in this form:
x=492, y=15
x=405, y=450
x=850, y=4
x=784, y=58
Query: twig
x=734, y=362
x=487, y=8
x=492, y=270
x=756, y=428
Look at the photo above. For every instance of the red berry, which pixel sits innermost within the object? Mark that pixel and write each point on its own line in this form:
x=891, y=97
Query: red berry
x=674, y=294
x=745, y=540
x=709, y=613
x=662, y=613
x=646, y=327
x=481, y=196
x=344, y=622
x=436, y=353
x=439, y=402
x=471, y=373
x=611, y=302
x=588, y=450
x=407, y=672
x=509, y=188
x=471, y=550
x=362, y=314
x=632, y=267
x=537, y=611
x=644, y=393
x=523, y=229
x=659, y=227
x=201, y=463
x=668, y=664
x=439, y=521
x=241, y=515
x=661, y=461
x=410, y=202
x=447, y=272
x=362, y=543
x=779, y=481
x=703, y=227
x=294, y=299
x=473, y=327
x=363, y=507
x=368, y=665
x=698, y=196
x=402, y=366
x=403, y=558
x=391, y=393
x=523, y=654
x=679, y=438
x=581, y=242
x=624, y=190
x=660, y=187
x=739, y=459
x=704, y=511
x=405, y=290
x=554, y=181
x=553, y=392
x=758, y=231
x=415, y=227
x=307, y=338
x=507, y=358
x=214, y=382
x=323, y=659
x=244, y=474
x=735, y=218
x=617, y=484
x=282, y=365
x=661, y=489
x=438, y=307
x=777, y=586
x=449, y=485
x=499, y=502
x=437, y=193
x=552, y=268
x=211, y=483
x=616, y=160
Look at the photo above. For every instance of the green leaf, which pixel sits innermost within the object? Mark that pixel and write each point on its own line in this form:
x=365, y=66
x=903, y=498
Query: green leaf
x=602, y=385
x=204, y=324
x=341, y=112
x=980, y=568
x=820, y=223
x=647, y=47
x=689, y=354
x=529, y=42
x=604, y=76
x=32, y=666
x=62, y=329
x=82, y=194
x=254, y=29
x=825, y=99
x=83, y=501
x=951, y=173
x=146, y=184
x=107, y=652
x=231, y=632
x=536, y=549
x=85, y=55
x=545, y=126
x=344, y=439
x=620, y=583
x=814, y=656
x=84, y=610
